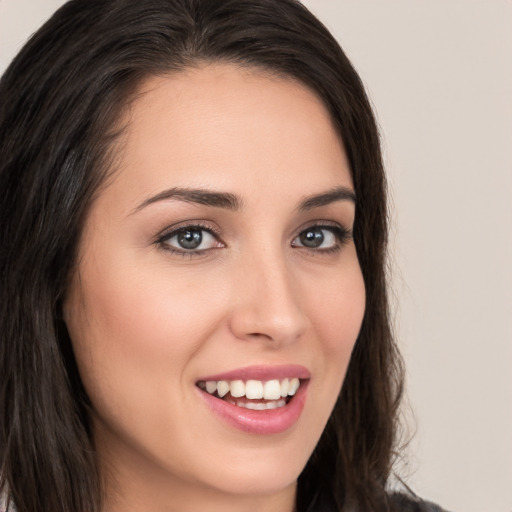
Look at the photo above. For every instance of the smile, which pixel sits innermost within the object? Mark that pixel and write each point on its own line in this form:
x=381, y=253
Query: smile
x=254, y=394
x=262, y=404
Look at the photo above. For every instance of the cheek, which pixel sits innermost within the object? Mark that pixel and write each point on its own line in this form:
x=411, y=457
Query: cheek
x=132, y=326
x=337, y=314
x=136, y=335
x=338, y=310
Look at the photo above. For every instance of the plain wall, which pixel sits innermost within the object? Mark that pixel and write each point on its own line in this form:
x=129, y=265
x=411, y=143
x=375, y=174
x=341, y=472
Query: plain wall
x=440, y=75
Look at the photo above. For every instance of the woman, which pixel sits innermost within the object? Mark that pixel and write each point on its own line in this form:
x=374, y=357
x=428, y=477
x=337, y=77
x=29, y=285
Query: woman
x=193, y=226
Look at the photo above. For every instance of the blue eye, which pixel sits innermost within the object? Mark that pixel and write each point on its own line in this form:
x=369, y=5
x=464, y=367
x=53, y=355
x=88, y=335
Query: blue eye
x=190, y=239
x=324, y=238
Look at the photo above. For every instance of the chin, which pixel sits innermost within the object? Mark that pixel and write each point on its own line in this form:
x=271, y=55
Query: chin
x=261, y=470
x=263, y=479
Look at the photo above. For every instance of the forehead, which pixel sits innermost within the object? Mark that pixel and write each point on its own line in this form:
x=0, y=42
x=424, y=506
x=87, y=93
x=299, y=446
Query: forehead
x=226, y=127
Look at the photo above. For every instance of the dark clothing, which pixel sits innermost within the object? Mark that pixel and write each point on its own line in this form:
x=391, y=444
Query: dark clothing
x=398, y=503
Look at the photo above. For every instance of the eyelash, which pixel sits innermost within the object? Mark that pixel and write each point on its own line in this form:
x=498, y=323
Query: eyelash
x=163, y=239
x=341, y=234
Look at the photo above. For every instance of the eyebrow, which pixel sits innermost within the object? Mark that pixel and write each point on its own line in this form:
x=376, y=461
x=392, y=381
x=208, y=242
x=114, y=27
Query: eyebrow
x=232, y=202
x=196, y=196
x=325, y=198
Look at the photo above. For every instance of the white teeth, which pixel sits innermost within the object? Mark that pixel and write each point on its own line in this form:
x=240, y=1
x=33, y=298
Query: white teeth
x=256, y=406
x=237, y=388
x=260, y=406
x=285, y=385
x=271, y=390
x=211, y=386
x=294, y=385
x=222, y=388
x=253, y=389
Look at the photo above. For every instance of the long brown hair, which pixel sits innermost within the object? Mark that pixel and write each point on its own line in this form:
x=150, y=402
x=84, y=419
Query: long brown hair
x=60, y=99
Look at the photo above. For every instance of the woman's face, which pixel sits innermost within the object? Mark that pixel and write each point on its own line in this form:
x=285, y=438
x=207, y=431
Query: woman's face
x=218, y=260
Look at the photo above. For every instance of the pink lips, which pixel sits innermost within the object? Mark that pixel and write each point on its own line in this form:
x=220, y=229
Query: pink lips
x=270, y=421
x=262, y=373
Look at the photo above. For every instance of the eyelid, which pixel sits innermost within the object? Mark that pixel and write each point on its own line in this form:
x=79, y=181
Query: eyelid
x=342, y=233
x=188, y=224
x=325, y=224
x=171, y=231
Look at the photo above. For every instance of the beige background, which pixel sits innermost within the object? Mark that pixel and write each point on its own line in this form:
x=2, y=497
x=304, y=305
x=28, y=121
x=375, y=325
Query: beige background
x=440, y=75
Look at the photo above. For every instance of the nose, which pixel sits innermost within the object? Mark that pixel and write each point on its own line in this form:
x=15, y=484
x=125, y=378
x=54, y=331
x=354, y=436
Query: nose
x=267, y=303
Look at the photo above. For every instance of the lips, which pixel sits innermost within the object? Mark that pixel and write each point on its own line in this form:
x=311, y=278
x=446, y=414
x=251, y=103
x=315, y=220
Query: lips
x=257, y=399
x=262, y=373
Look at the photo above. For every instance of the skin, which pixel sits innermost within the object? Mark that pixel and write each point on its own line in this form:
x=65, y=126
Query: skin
x=146, y=322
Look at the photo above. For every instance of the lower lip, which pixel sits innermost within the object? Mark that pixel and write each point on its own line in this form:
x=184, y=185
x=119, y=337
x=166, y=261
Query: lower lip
x=269, y=421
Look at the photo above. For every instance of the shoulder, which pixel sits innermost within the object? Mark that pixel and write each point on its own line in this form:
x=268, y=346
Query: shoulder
x=396, y=502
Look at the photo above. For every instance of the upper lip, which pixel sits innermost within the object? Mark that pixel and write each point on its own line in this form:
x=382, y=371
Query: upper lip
x=263, y=373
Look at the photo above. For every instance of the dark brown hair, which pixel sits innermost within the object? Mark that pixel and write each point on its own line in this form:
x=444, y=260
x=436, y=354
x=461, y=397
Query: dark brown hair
x=59, y=103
